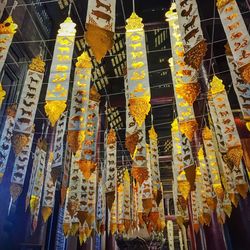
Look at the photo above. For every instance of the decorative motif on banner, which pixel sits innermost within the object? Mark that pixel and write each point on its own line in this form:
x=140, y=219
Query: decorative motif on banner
x=20, y=169
x=191, y=32
x=111, y=174
x=2, y=94
x=212, y=163
x=139, y=168
x=101, y=208
x=131, y=125
x=26, y=111
x=66, y=173
x=229, y=131
x=79, y=102
x=48, y=192
x=154, y=164
x=241, y=88
x=187, y=86
x=87, y=162
x=237, y=35
x=170, y=230
x=100, y=25
x=240, y=181
x=137, y=70
x=194, y=204
x=5, y=141
x=58, y=84
x=7, y=31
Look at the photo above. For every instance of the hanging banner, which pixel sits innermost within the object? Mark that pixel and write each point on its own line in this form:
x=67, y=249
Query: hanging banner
x=134, y=208
x=7, y=31
x=58, y=84
x=48, y=192
x=111, y=174
x=241, y=88
x=237, y=35
x=79, y=102
x=66, y=219
x=66, y=173
x=154, y=165
x=139, y=167
x=5, y=141
x=240, y=181
x=2, y=94
x=131, y=125
x=26, y=111
x=226, y=121
x=20, y=169
x=113, y=216
x=170, y=230
x=126, y=201
x=100, y=26
x=101, y=207
x=137, y=69
x=194, y=204
x=87, y=162
x=212, y=162
x=191, y=32
x=186, y=86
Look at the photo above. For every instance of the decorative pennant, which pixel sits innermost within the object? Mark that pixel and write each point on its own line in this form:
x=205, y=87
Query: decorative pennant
x=241, y=88
x=237, y=35
x=111, y=174
x=100, y=25
x=185, y=83
x=48, y=192
x=87, y=162
x=229, y=131
x=20, y=169
x=131, y=125
x=7, y=31
x=26, y=111
x=139, y=168
x=212, y=163
x=58, y=83
x=66, y=173
x=154, y=164
x=79, y=102
x=137, y=70
x=191, y=32
x=5, y=141
x=170, y=230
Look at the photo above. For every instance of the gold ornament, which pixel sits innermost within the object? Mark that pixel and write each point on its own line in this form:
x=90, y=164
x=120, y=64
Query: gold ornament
x=100, y=40
x=54, y=109
x=46, y=212
x=134, y=23
x=140, y=174
x=75, y=139
x=2, y=94
x=234, y=156
x=152, y=134
x=94, y=95
x=34, y=201
x=207, y=133
x=37, y=64
x=139, y=108
x=217, y=86
x=111, y=138
x=67, y=28
x=87, y=167
x=19, y=141
x=84, y=61
x=188, y=92
x=184, y=188
x=248, y=126
x=221, y=3
x=131, y=142
x=188, y=128
x=245, y=73
x=8, y=26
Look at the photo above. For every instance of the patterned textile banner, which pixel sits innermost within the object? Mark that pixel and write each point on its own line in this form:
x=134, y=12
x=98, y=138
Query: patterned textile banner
x=191, y=32
x=131, y=125
x=79, y=102
x=111, y=172
x=101, y=207
x=87, y=162
x=58, y=83
x=186, y=87
x=194, y=204
x=170, y=230
x=100, y=25
x=66, y=173
x=241, y=88
x=26, y=111
x=48, y=192
x=139, y=168
x=237, y=35
x=5, y=141
x=225, y=116
x=7, y=31
x=137, y=69
x=20, y=169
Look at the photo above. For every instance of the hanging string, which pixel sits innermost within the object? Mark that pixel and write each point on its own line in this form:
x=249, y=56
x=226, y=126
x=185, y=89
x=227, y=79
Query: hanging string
x=13, y=7
x=70, y=5
x=133, y=1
